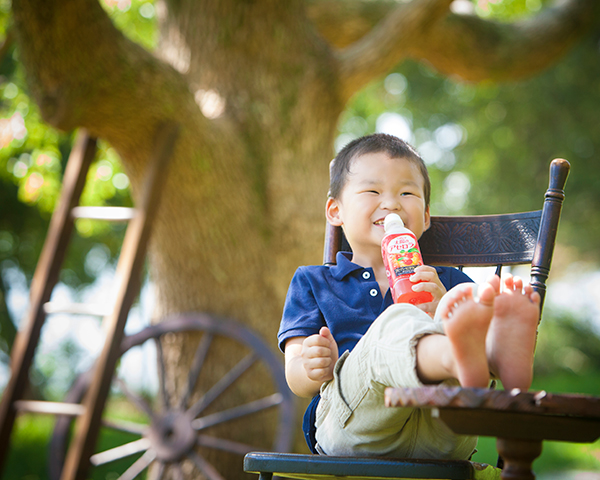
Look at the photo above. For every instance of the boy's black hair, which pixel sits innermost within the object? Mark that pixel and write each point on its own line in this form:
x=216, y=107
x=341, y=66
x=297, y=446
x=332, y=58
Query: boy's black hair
x=375, y=143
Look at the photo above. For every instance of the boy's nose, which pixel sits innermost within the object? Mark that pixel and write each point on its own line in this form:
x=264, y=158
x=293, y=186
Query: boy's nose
x=391, y=203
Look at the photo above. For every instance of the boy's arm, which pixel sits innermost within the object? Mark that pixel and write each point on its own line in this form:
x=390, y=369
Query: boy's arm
x=309, y=362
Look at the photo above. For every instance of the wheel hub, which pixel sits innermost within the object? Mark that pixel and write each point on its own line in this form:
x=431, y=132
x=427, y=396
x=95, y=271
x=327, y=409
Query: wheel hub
x=172, y=436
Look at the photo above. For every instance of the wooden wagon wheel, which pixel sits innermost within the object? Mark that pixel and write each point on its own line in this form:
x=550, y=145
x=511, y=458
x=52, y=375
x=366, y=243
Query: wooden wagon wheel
x=175, y=427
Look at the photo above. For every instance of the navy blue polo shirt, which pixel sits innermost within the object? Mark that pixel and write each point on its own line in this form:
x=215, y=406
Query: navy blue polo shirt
x=345, y=298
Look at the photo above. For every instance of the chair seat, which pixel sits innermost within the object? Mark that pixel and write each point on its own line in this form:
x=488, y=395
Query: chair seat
x=313, y=467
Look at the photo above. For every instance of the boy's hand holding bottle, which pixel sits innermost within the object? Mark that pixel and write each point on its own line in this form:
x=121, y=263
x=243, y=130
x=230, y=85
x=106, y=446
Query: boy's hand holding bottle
x=426, y=280
x=410, y=280
x=319, y=354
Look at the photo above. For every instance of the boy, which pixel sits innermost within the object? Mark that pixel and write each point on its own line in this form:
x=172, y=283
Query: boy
x=345, y=341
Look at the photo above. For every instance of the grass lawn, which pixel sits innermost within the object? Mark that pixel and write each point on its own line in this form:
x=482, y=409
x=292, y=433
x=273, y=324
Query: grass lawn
x=28, y=454
x=27, y=458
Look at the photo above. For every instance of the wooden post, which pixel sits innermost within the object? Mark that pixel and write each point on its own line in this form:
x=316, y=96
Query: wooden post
x=518, y=456
x=542, y=257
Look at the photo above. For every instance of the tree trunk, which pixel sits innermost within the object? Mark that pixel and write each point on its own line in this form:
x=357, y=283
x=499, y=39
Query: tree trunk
x=258, y=92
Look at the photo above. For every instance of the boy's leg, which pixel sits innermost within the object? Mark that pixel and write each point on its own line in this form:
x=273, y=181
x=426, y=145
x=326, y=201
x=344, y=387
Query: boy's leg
x=466, y=320
x=513, y=332
x=352, y=418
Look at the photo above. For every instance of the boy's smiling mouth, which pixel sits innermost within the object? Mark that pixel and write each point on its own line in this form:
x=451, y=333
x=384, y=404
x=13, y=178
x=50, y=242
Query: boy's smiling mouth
x=379, y=222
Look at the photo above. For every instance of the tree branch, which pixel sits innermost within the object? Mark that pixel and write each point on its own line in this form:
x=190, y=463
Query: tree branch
x=55, y=40
x=343, y=22
x=83, y=72
x=474, y=49
x=376, y=36
x=388, y=43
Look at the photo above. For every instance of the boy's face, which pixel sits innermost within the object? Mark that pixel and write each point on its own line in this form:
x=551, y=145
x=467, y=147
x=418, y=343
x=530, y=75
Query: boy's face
x=376, y=186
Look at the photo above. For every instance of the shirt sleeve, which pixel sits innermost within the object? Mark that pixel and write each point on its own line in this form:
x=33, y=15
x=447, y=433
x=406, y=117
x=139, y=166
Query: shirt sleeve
x=301, y=314
x=450, y=276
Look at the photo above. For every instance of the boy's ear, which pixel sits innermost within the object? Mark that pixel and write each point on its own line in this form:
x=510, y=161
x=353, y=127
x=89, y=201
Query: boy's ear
x=332, y=212
x=427, y=219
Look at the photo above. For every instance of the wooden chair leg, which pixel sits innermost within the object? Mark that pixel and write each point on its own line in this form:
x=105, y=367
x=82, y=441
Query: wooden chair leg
x=265, y=476
x=518, y=457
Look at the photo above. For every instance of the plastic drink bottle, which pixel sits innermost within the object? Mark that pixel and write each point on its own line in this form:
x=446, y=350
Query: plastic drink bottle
x=401, y=255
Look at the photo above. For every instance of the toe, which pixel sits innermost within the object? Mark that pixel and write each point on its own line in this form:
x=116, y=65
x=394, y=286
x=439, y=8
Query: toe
x=508, y=282
x=486, y=294
x=494, y=281
x=518, y=284
x=535, y=298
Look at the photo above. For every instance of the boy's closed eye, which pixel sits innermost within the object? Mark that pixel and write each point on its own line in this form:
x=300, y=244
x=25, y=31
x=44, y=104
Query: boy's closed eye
x=412, y=193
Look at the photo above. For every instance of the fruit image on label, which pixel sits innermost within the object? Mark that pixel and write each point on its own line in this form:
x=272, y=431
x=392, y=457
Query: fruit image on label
x=405, y=262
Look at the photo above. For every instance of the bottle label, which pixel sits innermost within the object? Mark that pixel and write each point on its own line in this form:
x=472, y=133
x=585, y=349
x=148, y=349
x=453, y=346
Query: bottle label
x=402, y=244
x=401, y=255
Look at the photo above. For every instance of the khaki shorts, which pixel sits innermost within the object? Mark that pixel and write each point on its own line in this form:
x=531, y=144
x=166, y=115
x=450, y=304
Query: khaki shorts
x=351, y=417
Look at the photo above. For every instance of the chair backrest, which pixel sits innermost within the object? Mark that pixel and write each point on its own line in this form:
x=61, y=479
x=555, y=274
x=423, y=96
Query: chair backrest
x=488, y=240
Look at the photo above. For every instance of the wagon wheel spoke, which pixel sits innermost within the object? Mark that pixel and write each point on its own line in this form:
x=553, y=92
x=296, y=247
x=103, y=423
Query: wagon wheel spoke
x=225, y=445
x=158, y=472
x=162, y=376
x=139, y=466
x=135, y=399
x=222, y=385
x=176, y=468
x=206, y=468
x=125, y=426
x=237, y=412
x=119, y=452
x=196, y=367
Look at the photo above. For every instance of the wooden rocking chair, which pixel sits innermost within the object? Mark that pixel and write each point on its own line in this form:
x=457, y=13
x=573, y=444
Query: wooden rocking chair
x=520, y=421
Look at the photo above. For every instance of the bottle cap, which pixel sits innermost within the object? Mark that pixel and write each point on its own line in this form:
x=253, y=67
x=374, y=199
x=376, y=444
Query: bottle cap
x=392, y=219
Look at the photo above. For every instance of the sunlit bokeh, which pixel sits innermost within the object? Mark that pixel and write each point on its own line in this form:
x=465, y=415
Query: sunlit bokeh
x=122, y=5
x=456, y=190
x=395, y=124
x=211, y=104
x=12, y=128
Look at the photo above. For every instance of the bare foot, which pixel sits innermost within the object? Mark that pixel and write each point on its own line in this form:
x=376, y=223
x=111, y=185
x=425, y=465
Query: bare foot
x=466, y=322
x=512, y=334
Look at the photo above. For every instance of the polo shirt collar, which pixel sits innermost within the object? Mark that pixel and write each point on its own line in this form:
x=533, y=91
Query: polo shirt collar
x=344, y=266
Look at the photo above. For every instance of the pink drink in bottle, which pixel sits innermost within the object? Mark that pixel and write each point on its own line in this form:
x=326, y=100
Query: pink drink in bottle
x=401, y=255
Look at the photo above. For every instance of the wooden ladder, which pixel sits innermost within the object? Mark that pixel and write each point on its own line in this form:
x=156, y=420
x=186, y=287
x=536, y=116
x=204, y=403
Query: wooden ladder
x=128, y=274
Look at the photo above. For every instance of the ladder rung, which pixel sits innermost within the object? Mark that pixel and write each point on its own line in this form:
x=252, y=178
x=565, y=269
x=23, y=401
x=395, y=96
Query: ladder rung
x=52, y=408
x=116, y=214
x=77, y=309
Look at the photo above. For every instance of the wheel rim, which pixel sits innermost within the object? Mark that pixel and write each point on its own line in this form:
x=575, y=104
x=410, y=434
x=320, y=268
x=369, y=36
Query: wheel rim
x=176, y=426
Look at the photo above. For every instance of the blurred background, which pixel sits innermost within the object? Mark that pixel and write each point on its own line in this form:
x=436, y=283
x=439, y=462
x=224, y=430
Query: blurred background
x=488, y=147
